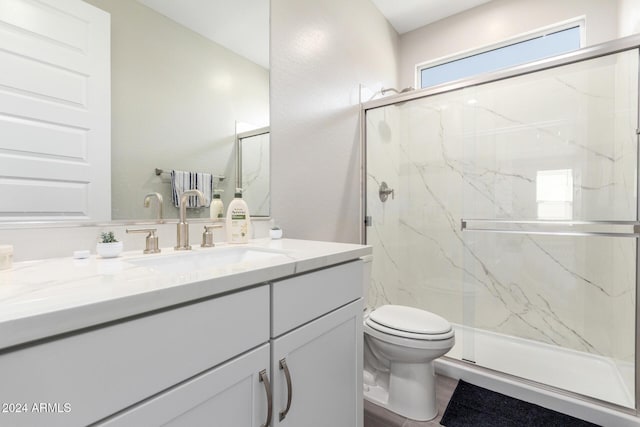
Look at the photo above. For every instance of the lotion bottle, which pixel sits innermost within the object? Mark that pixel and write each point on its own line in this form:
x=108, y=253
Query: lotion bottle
x=238, y=222
x=216, y=210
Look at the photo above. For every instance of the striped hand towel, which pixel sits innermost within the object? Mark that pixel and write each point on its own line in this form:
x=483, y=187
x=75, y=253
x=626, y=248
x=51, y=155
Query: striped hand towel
x=182, y=181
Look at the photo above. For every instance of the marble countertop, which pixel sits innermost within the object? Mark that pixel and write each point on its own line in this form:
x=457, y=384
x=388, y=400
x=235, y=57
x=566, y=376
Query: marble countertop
x=43, y=298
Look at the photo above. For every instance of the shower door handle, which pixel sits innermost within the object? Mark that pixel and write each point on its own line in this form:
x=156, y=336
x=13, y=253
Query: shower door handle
x=554, y=228
x=384, y=191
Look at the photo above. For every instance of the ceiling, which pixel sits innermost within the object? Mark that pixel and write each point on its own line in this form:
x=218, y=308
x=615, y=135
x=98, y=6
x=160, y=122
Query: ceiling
x=407, y=15
x=243, y=25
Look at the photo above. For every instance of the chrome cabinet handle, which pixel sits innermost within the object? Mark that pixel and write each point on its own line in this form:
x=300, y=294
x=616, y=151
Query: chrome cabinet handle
x=267, y=388
x=287, y=375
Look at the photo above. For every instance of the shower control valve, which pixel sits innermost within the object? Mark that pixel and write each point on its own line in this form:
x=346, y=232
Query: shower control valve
x=384, y=192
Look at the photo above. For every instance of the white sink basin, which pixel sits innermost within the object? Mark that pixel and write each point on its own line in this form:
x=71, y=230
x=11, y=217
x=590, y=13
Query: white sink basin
x=189, y=261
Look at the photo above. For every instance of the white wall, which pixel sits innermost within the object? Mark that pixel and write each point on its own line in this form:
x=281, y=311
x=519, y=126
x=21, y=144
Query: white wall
x=320, y=52
x=499, y=20
x=176, y=97
x=628, y=17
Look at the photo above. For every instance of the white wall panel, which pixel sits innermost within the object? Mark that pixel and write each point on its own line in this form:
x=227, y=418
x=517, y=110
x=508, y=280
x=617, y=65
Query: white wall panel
x=29, y=77
x=42, y=139
x=55, y=199
x=321, y=52
x=61, y=21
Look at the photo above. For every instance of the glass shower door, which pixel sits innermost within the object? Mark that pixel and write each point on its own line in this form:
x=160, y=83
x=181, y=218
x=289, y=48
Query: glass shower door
x=413, y=148
x=550, y=225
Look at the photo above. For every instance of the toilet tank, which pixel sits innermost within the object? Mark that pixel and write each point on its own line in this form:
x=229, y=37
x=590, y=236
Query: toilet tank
x=367, y=263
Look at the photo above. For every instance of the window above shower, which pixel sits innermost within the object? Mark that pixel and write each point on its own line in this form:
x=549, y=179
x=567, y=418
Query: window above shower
x=556, y=40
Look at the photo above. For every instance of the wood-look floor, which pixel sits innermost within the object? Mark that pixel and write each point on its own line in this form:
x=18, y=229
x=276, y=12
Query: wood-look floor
x=375, y=416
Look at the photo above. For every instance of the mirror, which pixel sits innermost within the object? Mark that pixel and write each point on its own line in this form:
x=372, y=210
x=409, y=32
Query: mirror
x=176, y=96
x=252, y=159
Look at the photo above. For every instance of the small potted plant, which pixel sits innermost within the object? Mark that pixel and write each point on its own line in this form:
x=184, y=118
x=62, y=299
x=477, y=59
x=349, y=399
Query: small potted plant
x=108, y=246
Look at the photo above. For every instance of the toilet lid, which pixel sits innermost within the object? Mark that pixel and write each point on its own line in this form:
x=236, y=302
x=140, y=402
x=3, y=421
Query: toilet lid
x=410, y=319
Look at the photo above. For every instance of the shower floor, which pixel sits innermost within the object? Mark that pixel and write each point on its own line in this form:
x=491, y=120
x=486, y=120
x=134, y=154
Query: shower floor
x=588, y=374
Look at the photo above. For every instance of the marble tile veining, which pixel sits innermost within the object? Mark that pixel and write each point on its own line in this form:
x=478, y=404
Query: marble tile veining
x=42, y=298
x=502, y=151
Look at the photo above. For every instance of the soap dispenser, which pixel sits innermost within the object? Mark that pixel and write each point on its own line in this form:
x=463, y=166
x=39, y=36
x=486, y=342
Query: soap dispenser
x=238, y=222
x=216, y=210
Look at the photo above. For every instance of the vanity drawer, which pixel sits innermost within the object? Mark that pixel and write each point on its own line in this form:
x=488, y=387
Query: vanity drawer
x=302, y=298
x=90, y=375
x=228, y=395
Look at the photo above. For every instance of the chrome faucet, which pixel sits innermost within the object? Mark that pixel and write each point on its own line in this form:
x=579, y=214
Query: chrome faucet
x=183, y=226
x=147, y=203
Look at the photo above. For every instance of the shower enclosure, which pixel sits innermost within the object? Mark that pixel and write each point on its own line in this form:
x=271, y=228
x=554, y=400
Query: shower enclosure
x=508, y=204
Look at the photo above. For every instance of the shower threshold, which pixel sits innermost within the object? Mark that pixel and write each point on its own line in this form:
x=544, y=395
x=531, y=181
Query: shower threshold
x=579, y=372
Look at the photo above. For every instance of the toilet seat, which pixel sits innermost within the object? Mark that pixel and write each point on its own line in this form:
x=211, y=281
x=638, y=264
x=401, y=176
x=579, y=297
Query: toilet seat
x=443, y=341
x=408, y=322
x=409, y=335
x=410, y=319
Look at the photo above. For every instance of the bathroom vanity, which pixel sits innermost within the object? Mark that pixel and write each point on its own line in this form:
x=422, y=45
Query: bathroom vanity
x=262, y=335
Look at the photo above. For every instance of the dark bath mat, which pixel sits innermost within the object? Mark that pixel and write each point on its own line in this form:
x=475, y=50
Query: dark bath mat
x=473, y=406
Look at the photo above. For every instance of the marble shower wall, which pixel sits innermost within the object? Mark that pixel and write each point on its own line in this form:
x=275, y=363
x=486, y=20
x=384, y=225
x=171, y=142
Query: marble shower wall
x=557, y=144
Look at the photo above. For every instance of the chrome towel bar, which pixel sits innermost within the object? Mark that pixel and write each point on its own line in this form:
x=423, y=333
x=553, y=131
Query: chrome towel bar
x=159, y=172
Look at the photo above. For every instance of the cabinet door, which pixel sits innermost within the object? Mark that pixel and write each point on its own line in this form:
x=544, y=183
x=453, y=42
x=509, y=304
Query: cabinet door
x=229, y=395
x=324, y=362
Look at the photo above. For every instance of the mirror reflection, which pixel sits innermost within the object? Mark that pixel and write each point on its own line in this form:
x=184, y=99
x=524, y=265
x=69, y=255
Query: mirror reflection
x=253, y=170
x=176, y=96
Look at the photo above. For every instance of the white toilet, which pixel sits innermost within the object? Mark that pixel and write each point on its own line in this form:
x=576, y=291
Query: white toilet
x=400, y=345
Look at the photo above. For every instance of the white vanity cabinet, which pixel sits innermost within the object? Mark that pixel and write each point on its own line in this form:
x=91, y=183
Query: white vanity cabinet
x=316, y=360
x=286, y=351
x=89, y=376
